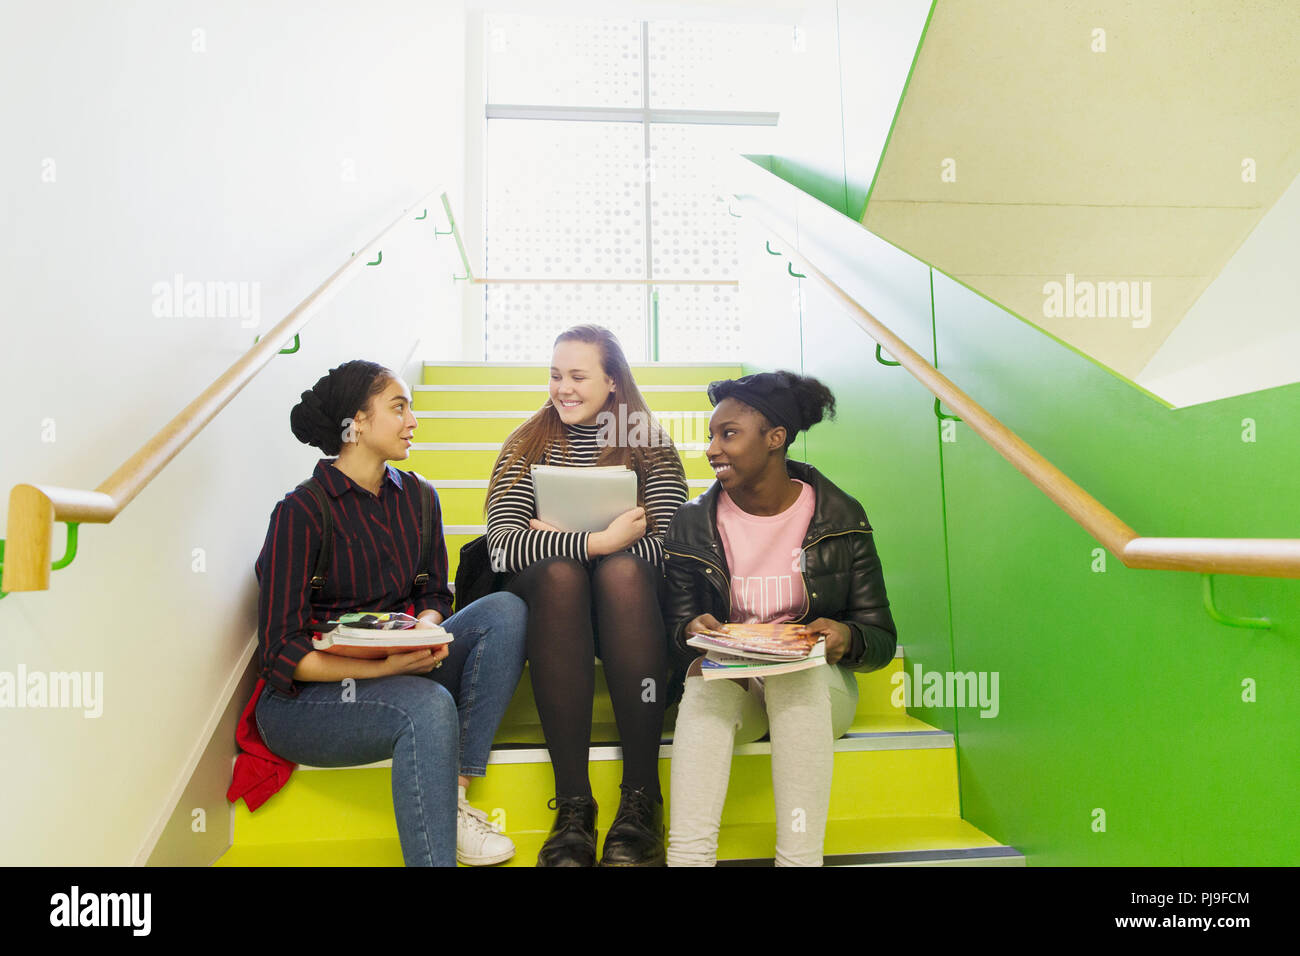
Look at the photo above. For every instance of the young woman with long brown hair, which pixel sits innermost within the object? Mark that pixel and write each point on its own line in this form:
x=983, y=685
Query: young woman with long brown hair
x=592, y=593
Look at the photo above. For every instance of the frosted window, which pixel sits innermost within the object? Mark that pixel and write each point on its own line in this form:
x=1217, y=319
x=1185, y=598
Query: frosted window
x=694, y=237
x=525, y=319
x=545, y=61
x=565, y=199
x=719, y=66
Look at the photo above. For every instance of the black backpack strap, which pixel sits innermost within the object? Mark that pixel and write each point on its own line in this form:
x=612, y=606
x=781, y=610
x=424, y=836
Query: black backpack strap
x=327, y=537
x=426, y=532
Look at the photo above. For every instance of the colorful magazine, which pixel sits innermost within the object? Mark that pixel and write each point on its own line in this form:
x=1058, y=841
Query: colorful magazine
x=776, y=642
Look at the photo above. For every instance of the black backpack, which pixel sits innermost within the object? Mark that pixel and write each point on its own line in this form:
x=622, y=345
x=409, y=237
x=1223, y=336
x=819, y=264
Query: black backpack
x=475, y=576
x=327, y=537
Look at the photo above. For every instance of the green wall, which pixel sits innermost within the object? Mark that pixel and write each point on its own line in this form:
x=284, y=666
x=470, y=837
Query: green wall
x=1117, y=691
x=1118, y=694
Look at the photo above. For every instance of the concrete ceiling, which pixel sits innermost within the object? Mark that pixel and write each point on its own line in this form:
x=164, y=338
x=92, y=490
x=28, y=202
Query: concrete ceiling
x=1094, y=144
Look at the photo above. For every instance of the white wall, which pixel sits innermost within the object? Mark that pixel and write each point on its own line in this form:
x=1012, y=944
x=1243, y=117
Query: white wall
x=1240, y=336
x=224, y=163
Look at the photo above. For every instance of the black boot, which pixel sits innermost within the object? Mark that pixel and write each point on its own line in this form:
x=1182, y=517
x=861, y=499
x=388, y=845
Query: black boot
x=572, y=841
x=636, y=837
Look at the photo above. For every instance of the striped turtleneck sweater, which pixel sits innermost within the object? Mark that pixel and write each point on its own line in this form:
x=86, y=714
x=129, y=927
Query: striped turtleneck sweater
x=515, y=545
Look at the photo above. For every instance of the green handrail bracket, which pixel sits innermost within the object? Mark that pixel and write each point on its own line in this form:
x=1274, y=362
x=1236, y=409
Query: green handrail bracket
x=69, y=553
x=1207, y=596
x=379, y=257
x=769, y=248
x=882, y=360
x=70, y=549
x=443, y=232
x=423, y=215
x=789, y=267
x=939, y=413
x=285, y=351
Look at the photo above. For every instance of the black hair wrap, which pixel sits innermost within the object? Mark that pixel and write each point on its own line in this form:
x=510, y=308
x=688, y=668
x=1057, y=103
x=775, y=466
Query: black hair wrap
x=319, y=418
x=771, y=393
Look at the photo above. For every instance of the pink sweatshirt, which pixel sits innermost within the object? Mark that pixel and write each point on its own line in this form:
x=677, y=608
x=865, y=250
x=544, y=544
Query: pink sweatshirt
x=762, y=554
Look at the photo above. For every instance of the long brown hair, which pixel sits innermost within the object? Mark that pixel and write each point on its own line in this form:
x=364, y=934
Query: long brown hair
x=530, y=443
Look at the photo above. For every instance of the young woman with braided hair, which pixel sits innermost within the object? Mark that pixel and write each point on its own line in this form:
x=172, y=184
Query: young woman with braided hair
x=434, y=712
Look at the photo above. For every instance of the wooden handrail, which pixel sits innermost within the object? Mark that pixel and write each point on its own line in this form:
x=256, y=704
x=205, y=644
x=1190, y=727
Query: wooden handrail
x=1265, y=557
x=552, y=280
x=33, y=509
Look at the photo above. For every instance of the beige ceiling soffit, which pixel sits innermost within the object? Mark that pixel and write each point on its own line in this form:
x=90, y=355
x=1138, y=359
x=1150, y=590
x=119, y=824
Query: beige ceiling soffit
x=1093, y=169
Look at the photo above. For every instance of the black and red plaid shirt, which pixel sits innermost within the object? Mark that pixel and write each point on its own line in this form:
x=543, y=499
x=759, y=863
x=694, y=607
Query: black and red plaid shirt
x=376, y=549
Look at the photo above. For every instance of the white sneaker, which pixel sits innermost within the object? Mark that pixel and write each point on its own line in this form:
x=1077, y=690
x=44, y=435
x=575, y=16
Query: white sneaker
x=477, y=843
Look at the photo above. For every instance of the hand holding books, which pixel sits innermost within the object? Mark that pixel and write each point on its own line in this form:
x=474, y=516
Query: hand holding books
x=416, y=662
x=838, y=637
x=705, y=622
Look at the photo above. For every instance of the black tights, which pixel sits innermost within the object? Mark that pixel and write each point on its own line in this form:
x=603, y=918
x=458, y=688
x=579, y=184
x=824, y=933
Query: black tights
x=561, y=651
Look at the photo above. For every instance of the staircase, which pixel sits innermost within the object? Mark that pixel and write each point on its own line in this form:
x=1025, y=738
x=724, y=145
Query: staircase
x=894, y=799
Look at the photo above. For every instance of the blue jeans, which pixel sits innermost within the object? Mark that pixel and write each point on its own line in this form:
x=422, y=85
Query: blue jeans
x=431, y=725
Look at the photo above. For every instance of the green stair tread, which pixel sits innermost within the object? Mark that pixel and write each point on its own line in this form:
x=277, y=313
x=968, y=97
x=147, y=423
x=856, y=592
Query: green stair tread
x=735, y=842
x=356, y=803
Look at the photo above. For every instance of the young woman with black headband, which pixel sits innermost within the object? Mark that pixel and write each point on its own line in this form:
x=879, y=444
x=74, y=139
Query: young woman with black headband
x=433, y=712
x=771, y=540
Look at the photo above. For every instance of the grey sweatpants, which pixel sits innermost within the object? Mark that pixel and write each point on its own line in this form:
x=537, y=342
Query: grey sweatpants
x=798, y=710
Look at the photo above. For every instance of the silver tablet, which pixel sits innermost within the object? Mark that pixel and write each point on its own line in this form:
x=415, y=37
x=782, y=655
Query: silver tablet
x=574, y=498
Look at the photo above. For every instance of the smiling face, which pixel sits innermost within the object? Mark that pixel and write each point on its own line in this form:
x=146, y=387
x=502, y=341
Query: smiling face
x=579, y=386
x=738, y=450
x=387, y=428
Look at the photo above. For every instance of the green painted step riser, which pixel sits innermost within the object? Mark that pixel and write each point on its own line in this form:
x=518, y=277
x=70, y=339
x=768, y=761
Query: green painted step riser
x=513, y=401
x=458, y=464
x=681, y=427
x=357, y=804
x=540, y=374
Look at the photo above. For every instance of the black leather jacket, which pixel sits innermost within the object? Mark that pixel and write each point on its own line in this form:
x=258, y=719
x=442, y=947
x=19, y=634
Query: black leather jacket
x=842, y=575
